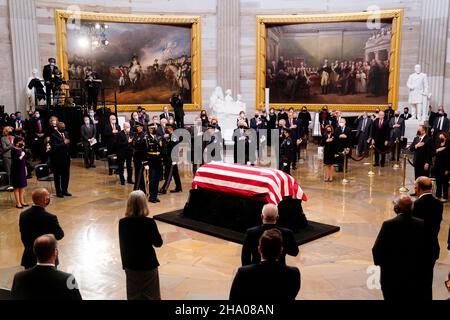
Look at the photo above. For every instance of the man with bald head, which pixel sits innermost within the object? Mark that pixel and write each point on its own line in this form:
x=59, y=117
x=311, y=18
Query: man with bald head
x=35, y=222
x=429, y=209
x=399, y=250
x=269, y=217
x=44, y=282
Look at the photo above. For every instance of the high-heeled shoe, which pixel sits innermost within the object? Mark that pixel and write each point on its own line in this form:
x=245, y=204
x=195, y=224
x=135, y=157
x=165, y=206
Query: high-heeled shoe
x=19, y=207
x=25, y=205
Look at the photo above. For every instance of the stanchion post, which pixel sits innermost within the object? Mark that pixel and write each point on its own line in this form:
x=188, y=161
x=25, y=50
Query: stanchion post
x=371, y=172
x=403, y=188
x=345, y=181
x=396, y=165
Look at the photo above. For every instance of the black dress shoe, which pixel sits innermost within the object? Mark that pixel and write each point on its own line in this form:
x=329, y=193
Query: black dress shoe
x=154, y=201
x=130, y=182
x=162, y=191
x=122, y=183
x=67, y=194
x=93, y=166
x=376, y=165
x=176, y=191
x=19, y=207
x=59, y=195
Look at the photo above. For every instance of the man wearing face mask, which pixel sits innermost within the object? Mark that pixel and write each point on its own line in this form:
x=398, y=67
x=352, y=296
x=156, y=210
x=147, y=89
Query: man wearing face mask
x=154, y=163
x=88, y=134
x=363, y=133
x=36, y=132
x=93, y=83
x=125, y=153
x=50, y=78
x=380, y=138
x=60, y=160
x=441, y=124
x=35, y=222
x=140, y=149
x=406, y=115
x=109, y=135
x=397, y=128
x=17, y=123
x=241, y=138
x=304, y=119
x=422, y=147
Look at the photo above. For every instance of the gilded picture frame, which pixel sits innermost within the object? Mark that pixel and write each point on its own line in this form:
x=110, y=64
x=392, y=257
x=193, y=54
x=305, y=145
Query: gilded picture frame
x=62, y=17
x=396, y=16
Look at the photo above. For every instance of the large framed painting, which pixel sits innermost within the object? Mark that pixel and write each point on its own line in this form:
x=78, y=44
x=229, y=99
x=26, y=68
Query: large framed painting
x=142, y=60
x=347, y=61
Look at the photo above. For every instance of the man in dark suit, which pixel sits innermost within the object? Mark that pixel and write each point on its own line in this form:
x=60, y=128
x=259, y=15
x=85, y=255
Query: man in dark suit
x=88, y=134
x=397, y=128
x=36, y=132
x=197, y=144
x=18, y=123
x=380, y=138
x=35, y=222
x=125, y=153
x=60, y=159
x=422, y=147
x=49, y=74
x=406, y=115
x=269, y=217
x=241, y=143
x=44, y=282
x=161, y=129
x=399, y=250
x=166, y=114
x=293, y=125
x=343, y=136
x=177, y=105
x=441, y=124
x=109, y=135
x=429, y=209
x=268, y=280
x=363, y=133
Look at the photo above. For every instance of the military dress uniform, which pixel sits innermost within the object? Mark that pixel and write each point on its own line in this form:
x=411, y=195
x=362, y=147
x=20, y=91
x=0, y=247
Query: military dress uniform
x=286, y=152
x=140, y=149
x=171, y=167
x=154, y=163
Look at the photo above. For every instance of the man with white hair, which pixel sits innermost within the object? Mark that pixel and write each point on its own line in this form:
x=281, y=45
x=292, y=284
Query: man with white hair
x=269, y=217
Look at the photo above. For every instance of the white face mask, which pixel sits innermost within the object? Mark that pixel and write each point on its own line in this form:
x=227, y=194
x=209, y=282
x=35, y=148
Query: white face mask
x=113, y=121
x=135, y=118
x=91, y=115
x=87, y=122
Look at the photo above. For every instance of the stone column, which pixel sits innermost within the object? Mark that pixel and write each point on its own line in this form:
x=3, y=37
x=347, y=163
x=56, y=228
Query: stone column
x=228, y=36
x=25, y=50
x=433, y=46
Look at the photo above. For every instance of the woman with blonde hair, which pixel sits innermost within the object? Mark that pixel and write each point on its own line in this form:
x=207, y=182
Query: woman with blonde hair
x=138, y=234
x=7, y=141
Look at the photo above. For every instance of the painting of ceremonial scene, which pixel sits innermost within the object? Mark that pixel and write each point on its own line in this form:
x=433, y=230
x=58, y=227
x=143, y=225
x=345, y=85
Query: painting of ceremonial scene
x=140, y=63
x=328, y=63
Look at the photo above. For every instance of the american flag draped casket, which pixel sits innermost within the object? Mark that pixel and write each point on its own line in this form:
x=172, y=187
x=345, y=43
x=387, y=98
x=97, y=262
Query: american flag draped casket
x=248, y=181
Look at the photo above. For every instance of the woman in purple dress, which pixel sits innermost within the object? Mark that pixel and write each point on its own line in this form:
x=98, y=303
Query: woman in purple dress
x=19, y=172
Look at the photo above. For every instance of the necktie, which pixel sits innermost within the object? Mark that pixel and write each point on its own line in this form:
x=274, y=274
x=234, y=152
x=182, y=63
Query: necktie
x=39, y=126
x=364, y=125
x=380, y=123
x=440, y=123
x=63, y=137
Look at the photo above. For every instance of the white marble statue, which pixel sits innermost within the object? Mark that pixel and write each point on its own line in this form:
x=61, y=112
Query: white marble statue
x=30, y=93
x=242, y=106
x=226, y=109
x=418, y=94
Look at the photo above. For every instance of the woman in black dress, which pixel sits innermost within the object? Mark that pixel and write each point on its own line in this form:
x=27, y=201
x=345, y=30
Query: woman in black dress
x=329, y=152
x=442, y=166
x=19, y=172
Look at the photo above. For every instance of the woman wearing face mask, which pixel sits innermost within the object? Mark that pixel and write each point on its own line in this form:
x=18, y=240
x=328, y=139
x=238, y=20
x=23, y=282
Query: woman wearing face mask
x=133, y=120
x=7, y=146
x=19, y=172
x=442, y=166
x=329, y=144
x=242, y=117
x=204, y=117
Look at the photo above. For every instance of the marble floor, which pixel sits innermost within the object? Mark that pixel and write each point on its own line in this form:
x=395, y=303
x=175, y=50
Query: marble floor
x=197, y=266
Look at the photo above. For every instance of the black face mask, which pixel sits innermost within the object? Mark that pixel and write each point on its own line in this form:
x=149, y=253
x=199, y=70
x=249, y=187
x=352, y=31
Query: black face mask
x=328, y=131
x=397, y=115
x=418, y=133
x=441, y=114
x=241, y=127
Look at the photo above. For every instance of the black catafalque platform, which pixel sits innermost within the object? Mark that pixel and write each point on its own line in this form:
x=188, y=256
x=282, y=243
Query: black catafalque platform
x=228, y=216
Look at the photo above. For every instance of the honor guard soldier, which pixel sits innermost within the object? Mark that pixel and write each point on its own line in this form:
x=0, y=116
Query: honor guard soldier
x=139, y=155
x=154, y=162
x=170, y=166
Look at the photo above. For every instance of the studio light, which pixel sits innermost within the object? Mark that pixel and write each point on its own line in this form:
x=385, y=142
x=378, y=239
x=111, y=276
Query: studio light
x=83, y=42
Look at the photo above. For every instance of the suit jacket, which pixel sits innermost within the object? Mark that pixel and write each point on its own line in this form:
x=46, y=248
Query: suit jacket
x=405, y=116
x=344, y=142
x=44, y=283
x=109, y=138
x=60, y=152
x=33, y=128
x=430, y=209
x=163, y=116
x=17, y=124
x=88, y=132
x=400, y=252
x=367, y=130
x=422, y=155
x=397, y=132
x=250, y=254
x=266, y=281
x=137, y=237
x=445, y=125
x=380, y=135
x=33, y=223
x=47, y=73
x=123, y=146
x=281, y=116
